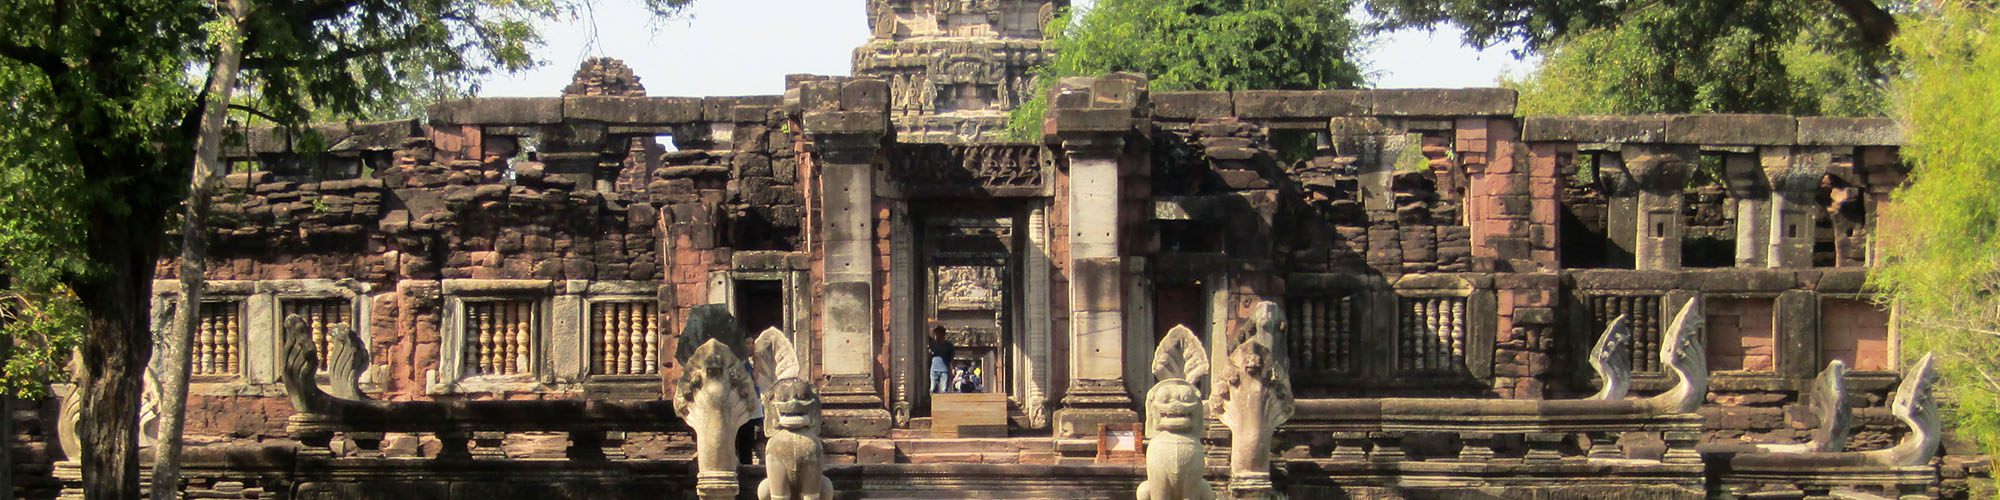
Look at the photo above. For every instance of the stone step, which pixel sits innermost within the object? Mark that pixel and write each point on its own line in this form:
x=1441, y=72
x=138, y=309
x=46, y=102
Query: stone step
x=929, y=446
x=1086, y=446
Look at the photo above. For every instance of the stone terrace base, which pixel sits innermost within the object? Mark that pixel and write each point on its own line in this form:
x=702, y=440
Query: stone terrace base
x=277, y=473
x=1594, y=480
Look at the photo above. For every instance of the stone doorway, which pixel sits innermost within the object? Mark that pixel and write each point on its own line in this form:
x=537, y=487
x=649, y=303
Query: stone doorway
x=968, y=283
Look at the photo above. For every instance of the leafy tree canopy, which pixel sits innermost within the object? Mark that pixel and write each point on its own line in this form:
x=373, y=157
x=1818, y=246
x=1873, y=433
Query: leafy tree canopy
x=1941, y=249
x=1203, y=45
x=1542, y=24
x=1705, y=57
x=120, y=76
x=95, y=148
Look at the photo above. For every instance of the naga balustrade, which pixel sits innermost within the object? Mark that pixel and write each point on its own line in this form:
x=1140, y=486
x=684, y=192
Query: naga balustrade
x=592, y=426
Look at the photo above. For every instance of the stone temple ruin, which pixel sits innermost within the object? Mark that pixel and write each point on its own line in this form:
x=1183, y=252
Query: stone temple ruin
x=598, y=295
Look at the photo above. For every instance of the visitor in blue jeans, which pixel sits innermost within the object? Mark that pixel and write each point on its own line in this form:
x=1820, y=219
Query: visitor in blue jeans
x=941, y=352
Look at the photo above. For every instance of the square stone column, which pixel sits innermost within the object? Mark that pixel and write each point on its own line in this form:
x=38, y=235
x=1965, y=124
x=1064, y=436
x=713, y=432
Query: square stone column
x=1794, y=174
x=847, y=119
x=1661, y=172
x=1092, y=118
x=1751, y=194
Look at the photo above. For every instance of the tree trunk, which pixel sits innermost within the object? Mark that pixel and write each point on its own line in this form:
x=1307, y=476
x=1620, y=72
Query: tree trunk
x=115, y=346
x=194, y=254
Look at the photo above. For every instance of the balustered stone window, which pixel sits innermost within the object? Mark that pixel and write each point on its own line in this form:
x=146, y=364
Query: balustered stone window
x=1325, y=329
x=500, y=336
x=1431, y=334
x=1643, y=317
x=321, y=315
x=218, y=339
x=624, y=338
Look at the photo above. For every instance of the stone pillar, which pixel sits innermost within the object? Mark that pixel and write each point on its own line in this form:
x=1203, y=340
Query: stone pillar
x=1794, y=174
x=1038, y=316
x=1661, y=173
x=1751, y=193
x=1885, y=172
x=1621, y=210
x=1091, y=119
x=846, y=118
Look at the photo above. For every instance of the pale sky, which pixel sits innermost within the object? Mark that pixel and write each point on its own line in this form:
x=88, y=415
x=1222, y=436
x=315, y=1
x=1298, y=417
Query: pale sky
x=746, y=47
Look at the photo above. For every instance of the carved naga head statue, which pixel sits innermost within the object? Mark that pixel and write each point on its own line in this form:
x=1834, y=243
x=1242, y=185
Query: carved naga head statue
x=1914, y=405
x=1612, y=359
x=1682, y=351
x=301, y=364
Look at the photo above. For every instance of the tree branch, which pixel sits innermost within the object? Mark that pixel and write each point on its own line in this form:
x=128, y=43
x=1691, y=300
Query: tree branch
x=259, y=113
x=1874, y=25
x=49, y=62
x=343, y=54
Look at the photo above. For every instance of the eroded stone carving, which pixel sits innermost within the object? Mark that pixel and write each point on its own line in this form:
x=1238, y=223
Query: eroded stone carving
x=1829, y=405
x=1612, y=360
x=794, y=456
x=715, y=397
x=1914, y=405
x=1253, y=396
x=1682, y=352
x=301, y=360
x=348, y=361
x=1174, y=421
x=71, y=413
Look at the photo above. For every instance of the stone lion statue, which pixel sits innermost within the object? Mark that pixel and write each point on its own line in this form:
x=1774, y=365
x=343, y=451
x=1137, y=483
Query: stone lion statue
x=1174, y=451
x=793, y=455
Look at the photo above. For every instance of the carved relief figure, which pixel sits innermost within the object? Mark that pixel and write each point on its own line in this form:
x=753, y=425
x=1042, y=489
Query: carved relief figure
x=1253, y=395
x=1174, y=421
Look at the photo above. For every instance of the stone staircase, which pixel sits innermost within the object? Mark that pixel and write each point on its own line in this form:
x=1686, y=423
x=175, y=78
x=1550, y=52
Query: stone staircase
x=916, y=445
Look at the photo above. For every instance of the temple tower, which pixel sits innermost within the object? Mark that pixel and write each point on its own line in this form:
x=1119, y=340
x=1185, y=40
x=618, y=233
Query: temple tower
x=955, y=67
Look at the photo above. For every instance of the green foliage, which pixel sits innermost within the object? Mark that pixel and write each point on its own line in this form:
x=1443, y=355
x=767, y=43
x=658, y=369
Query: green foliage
x=1709, y=57
x=1202, y=45
x=1941, y=241
x=101, y=106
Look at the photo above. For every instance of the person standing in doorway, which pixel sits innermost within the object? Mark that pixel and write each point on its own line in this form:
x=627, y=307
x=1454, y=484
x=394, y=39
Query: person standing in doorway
x=941, y=353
